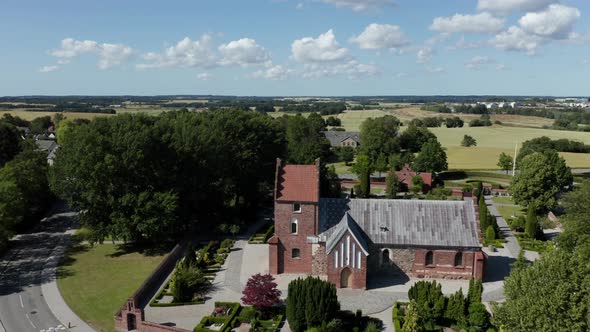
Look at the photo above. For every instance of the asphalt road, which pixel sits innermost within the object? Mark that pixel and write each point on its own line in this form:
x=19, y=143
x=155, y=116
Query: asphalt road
x=23, y=269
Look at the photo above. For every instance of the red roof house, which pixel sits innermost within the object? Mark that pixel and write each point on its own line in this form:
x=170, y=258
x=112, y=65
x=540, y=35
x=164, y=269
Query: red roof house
x=406, y=174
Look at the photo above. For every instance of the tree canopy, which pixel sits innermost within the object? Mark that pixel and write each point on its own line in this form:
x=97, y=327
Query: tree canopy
x=145, y=178
x=380, y=136
x=541, y=177
x=432, y=158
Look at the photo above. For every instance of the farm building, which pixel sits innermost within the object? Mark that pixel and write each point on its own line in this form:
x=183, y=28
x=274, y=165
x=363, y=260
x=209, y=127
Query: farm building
x=406, y=175
x=343, y=138
x=347, y=241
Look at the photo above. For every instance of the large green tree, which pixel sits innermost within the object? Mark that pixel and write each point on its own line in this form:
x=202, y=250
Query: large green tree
x=380, y=136
x=550, y=295
x=432, y=158
x=414, y=137
x=540, y=178
x=304, y=141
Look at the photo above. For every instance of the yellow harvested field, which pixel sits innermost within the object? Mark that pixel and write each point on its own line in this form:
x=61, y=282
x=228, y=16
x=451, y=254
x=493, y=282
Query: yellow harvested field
x=28, y=115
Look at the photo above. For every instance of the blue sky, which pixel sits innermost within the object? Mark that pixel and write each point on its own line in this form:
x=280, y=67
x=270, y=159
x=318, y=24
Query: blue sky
x=301, y=47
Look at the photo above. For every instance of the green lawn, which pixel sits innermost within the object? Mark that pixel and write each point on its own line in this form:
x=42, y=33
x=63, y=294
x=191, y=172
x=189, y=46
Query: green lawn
x=508, y=211
x=503, y=200
x=95, y=282
x=341, y=168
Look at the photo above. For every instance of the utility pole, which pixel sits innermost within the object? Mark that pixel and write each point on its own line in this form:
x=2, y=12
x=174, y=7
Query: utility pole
x=514, y=160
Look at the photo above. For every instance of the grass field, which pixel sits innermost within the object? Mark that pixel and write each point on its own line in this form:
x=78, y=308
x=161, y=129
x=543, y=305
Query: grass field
x=508, y=211
x=503, y=200
x=96, y=281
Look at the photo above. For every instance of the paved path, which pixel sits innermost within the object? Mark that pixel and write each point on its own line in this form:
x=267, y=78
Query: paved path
x=511, y=241
x=29, y=299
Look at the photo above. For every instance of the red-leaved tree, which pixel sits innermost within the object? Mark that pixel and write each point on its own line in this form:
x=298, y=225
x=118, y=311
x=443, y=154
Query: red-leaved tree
x=261, y=292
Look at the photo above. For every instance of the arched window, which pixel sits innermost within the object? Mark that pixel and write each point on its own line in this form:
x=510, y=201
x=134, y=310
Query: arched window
x=459, y=259
x=295, y=253
x=293, y=226
x=385, y=257
x=429, y=258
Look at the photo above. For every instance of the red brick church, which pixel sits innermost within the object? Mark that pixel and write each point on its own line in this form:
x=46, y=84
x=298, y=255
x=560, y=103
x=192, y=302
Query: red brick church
x=347, y=240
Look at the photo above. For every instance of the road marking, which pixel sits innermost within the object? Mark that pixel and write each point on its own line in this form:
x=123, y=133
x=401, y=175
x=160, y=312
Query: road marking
x=30, y=321
x=21, y=301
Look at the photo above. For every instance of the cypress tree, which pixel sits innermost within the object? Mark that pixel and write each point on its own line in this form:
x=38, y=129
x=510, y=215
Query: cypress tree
x=532, y=223
x=490, y=234
x=483, y=215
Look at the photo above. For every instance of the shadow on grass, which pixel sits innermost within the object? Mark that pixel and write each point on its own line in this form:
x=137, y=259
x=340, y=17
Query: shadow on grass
x=63, y=270
x=146, y=249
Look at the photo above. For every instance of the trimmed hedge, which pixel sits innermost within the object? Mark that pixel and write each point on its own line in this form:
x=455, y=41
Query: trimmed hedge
x=259, y=238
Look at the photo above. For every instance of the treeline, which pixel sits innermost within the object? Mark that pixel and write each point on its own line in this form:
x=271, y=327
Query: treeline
x=434, y=122
x=544, y=143
x=152, y=178
x=24, y=189
x=324, y=108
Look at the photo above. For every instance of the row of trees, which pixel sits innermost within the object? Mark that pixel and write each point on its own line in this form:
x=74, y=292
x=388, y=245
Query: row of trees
x=429, y=308
x=434, y=122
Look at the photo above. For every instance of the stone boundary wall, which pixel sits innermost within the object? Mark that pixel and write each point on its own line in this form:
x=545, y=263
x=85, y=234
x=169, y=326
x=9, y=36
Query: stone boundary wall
x=131, y=315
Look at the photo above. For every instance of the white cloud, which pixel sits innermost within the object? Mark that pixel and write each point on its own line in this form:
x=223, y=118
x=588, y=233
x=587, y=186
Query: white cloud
x=299, y=6
x=435, y=70
x=243, y=52
x=380, y=36
x=516, y=39
x=478, y=62
x=458, y=23
x=277, y=72
x=507, y=6
x=352, y=69
x=462, y=44
x=555, y=22
x=424, y=55
x=360, y=5
x=109, y=55
x=48, y=69
x=324, y=48
x=186, y=53
x=205, y=76
x=113, y=55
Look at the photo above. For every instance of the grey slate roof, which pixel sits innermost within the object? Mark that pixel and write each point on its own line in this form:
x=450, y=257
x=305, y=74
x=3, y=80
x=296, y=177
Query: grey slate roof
x=346, y=224
x=405, y=222
x=46, y=145
x=336, y=137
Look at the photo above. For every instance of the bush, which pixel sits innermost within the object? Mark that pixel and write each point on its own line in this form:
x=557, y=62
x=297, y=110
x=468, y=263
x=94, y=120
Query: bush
x=372, y=327
x=490, y=234
x=227, y=244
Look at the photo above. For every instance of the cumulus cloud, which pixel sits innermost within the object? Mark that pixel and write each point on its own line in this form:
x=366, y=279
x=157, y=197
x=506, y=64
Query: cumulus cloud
x=424, y=55
x=459, y=23
x=507, y=6
x=516, y=39
x=555, y=22
x=380, y=36
x=186, y=53
x=110, y=55
x=276, y=72
x=360, y=5
x=243, y=52
x=324, y=48
x=48, y=69
x=352, y=69
x=477, y=62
